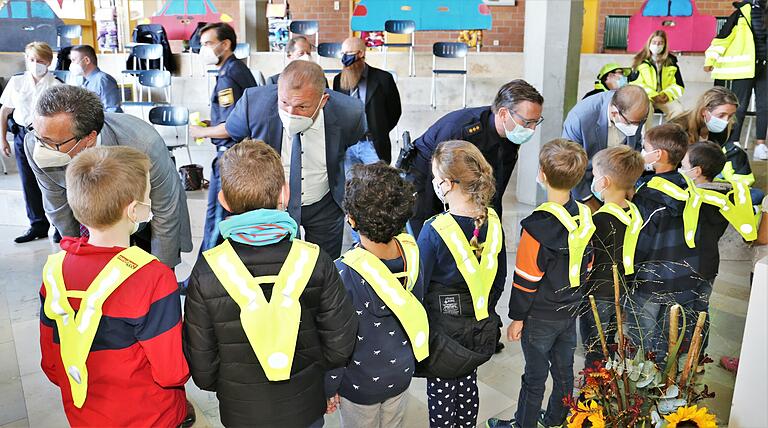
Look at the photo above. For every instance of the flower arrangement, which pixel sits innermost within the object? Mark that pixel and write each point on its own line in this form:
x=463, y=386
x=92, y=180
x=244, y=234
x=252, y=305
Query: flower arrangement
x=626, y=390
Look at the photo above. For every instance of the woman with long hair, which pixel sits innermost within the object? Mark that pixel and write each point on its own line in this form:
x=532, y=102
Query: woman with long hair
x=656, y=71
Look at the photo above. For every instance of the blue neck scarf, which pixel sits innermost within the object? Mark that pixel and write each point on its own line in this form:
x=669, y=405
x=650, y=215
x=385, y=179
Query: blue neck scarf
x=259, y=227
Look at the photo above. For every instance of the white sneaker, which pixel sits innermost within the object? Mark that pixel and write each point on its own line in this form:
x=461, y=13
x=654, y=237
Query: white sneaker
x=761, y=152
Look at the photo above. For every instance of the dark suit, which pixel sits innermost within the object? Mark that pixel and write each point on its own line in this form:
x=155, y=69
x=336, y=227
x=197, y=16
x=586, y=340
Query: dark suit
x=256, y=116
x=382, y=108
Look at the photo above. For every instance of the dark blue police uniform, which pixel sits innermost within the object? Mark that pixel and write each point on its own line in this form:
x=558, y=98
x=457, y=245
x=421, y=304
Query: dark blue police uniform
x=233, y=79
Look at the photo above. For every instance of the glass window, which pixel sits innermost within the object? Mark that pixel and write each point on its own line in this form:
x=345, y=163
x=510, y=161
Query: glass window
x=18, y=9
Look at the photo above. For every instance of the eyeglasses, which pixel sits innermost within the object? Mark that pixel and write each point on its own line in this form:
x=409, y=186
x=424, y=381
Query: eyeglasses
x=527, y=123
x=638, y=123
x=47, y=144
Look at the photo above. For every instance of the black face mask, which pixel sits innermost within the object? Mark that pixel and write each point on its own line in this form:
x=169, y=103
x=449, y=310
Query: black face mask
x=349, y=59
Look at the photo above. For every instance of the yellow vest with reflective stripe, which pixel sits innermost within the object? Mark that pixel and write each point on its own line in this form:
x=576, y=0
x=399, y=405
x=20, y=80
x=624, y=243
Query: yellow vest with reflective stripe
x=734, y=56
x=77, y=330
x=634, y=222
x=691, y=209
x=580, y=230
x=479, y=275
x=729, y=174
x=739, y=214
x=647, y=79
x=398, y=299
x=272, y=327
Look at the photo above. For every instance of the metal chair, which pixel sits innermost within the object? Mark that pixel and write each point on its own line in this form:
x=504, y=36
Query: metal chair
x=750, y=114
x=448, y=50
x=69, y=32
x=402, y=27
x=150, y=79
x=172, y=116
x=305, y=28
x=62, y=75
x=141, y=53
x=243, y=51
x=330, y=50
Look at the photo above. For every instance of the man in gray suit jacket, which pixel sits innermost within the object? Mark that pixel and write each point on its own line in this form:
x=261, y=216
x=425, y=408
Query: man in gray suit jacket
x=70, y=119
x=605, y=120
x=311, y=128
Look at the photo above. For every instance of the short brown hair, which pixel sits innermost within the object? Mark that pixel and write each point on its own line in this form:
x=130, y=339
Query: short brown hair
x=622, y=164
x=102, y=181
x=224, y=31
x=252, y=176
x=671, y=138
x=563, y=162
x=515, y=92
x=298, y=74
x=40, y=50
x=708, y=156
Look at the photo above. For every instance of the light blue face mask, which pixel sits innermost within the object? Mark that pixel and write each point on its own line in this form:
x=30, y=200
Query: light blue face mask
x=622, y=82
x=598, y=195
x=519, y=134
x=716, y=125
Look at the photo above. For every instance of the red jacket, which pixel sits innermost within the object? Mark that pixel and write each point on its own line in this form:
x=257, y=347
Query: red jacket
x=136, y=367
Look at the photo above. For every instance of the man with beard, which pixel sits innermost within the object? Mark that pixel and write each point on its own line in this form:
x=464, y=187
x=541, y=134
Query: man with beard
x=375, y=88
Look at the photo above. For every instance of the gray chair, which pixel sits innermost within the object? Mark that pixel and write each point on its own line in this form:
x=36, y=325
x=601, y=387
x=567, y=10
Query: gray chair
x=151, y=79
x=330, y=50
x=243, y=51
x=305, y=28
x=69, y=32
x=174, y=116
x=450, y=50
x=141, y=52
x=402, y=27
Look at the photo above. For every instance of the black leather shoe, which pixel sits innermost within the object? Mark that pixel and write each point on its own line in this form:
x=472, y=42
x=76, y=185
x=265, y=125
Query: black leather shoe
x=191, y=418
x=56, y=237
x=499, y=347
x=31, y=235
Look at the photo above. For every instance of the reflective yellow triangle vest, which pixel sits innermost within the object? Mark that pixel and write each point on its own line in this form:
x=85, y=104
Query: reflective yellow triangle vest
x=479, y=275
x=580, y=229
x=77, y=331
x=272, y=327
x=398, y=299
x=634, y=222
x=691, y=209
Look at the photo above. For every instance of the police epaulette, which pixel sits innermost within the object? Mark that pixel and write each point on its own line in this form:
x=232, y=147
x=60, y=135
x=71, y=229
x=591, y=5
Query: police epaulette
x=472, y=129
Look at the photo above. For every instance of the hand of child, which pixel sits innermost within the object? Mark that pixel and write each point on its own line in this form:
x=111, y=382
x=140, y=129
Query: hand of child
x=515, y=331
x=333, y=404
x=708, y=68
x=661, y=99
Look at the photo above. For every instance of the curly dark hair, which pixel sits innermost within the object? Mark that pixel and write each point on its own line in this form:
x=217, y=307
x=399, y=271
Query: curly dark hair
x=379, y=200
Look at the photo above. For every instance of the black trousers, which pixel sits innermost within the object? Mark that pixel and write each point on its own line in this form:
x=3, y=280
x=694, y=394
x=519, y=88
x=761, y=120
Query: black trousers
x=323, y=224
x=33, y=197
x=743, y=89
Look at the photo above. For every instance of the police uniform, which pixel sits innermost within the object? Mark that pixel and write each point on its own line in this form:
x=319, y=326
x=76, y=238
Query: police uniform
x=233, y=79
x=475, y=125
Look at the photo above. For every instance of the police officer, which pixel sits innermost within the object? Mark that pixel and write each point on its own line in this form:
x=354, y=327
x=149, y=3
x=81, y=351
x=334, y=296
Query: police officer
x=218, y=41
x=497, y=130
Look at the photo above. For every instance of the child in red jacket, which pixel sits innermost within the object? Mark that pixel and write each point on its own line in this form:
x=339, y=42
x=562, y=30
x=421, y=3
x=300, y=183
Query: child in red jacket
x=110, y=323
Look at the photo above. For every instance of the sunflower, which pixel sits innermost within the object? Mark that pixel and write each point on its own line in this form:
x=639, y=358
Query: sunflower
x=693, y=414
x=591, y=412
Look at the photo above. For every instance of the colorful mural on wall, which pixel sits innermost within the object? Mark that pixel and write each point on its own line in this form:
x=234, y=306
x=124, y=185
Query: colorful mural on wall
x=370, y=15
x=25, y=21
x=687, y=29
x=180, y=17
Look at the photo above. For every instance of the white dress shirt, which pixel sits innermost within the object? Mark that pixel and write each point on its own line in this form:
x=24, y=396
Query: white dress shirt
x=21, y=94
x=314, y=167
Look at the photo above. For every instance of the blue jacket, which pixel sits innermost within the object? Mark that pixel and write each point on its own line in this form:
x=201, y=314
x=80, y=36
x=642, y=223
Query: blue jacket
x=255, y=115
x=587, y=124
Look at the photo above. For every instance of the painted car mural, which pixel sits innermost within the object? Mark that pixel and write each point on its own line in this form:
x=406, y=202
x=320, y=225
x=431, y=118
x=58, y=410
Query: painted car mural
x=687, y=29
x=370, y=15
x=180, y=17
x=25, y=21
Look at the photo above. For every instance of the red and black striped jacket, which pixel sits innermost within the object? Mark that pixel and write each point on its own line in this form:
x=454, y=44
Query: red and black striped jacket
x=136, y=366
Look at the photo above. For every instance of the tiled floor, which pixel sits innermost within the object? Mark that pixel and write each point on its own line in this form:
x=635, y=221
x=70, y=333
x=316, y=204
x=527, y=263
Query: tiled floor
x=28, y=399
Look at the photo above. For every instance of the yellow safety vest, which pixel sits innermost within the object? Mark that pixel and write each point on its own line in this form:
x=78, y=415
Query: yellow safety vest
x=580, y=230
x=734, y=56
x=634, y=222
x=691, y=209
x=398, y=299
x=77, y=330
x=479, y=275
x=272, y=327
x=729, y=174
x=739, y=214
x=647, y=79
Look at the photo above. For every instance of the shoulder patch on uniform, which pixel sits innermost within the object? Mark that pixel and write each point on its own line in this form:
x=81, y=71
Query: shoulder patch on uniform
x=226, y=97
x=472, y=129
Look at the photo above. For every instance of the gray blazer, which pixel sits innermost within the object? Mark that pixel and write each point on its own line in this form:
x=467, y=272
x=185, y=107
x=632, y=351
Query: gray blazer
x=170, y=225
x=255, y=115
x=587, y=124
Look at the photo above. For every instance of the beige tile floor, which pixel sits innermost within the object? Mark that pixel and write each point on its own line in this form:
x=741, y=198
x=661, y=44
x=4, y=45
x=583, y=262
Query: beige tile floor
x=28, y=399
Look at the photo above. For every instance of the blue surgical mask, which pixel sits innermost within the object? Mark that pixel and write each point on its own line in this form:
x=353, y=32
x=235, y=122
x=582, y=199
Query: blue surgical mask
x=716, y=125
x=519, y=134
x=593, y=188
x=622, y=82
x=348, y=59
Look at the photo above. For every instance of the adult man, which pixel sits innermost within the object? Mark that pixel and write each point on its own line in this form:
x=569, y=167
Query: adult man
x=606, y=120
x=311, y=129
x=373, y=87
x=298, y=48
x=218, y=41
x=85, y=65
x=497, y=130
x=68, y=120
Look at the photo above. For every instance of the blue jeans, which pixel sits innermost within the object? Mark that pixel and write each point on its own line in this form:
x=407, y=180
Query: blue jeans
x=590, y=338
x=214, y=213
x=548, y=347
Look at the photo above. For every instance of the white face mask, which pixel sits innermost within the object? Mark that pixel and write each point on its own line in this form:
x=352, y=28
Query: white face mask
x=37, y=69
x=645, y=154
x=304, y=57
x=138, y=222
x=47, y=158
x=208, y=55
x=76, y=69
x=656, y=49
x=295, y=124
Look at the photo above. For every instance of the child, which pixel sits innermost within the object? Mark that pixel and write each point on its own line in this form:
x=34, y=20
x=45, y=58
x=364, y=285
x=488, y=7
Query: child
x=617, y=226
x=266, y=314
x=667, y=263
x=552, y=262
x=382, y=278
x=123, y=348
x=464, y=266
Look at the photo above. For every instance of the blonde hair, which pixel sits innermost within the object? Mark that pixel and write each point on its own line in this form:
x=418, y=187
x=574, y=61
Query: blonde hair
x=102, y=181
x=645, y=53
x=252, y=176
x=41, y=50
x=622, y=164
x=463, y=164
x=693, y=120
x=563, y=162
